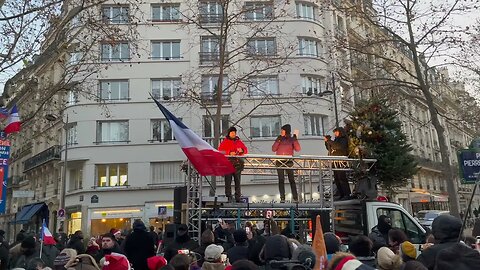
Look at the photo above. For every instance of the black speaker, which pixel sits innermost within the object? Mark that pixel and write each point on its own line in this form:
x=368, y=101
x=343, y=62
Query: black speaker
x=179, y=197
x=324, y=218
x=169, y=234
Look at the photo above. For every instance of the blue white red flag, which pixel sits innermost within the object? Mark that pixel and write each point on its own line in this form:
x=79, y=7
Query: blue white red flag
x=47, y=237
x=13, y=123
x=206, y=159
x=4, y=113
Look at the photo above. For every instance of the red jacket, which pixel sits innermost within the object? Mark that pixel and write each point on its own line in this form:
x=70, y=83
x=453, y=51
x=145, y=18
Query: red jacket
x=228, y=146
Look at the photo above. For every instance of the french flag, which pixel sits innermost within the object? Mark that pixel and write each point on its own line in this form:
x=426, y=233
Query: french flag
x=13, y=123
x=4, y=113
x=206, y=159
x=47, y=237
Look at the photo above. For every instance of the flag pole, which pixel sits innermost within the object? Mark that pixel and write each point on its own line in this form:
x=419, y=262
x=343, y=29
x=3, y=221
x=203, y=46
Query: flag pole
x=41, y=239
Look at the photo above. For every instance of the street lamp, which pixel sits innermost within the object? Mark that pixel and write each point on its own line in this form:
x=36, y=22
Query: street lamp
x=334, y=92
x=63, y=181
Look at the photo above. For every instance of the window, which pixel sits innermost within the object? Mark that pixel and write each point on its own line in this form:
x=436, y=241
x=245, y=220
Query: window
x=112, y=175
x=211, y=12
x=166, y=88
x=72, y=133
x=403, y=222
x=75, y=58
x=115, y=52
x=265, y=126
x=307, y=47
x=114, y=90
x=315, y=124
x=166, y=172
x=112, y=131
x=266, y=46
x=166, y=50
x=166, y=13
x=210, y=86
x=161, y=130
x=262, y=86
x=258, y=11
x=208, y=131
x=76, y=176
x=209, y=49
x=306, y=11
x=115, y=14
x=312, y=84
x=72, y=97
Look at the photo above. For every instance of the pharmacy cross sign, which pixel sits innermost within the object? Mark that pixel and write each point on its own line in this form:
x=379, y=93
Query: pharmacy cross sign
x=469, y=165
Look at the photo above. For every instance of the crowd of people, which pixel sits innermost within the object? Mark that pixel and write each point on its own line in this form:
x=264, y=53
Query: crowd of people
x=256, y=246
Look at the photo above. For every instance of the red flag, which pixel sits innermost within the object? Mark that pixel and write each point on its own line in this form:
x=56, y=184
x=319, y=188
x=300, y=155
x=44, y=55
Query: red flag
x=319, y=247
x=206, y=159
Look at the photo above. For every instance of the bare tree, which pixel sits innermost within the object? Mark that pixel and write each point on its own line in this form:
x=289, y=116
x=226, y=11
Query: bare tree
x=398, y=45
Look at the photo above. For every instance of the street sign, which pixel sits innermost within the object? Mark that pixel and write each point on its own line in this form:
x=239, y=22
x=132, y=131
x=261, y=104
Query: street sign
x=61, y=212
x=469, y=165
x=23, y=194
x=162, y=210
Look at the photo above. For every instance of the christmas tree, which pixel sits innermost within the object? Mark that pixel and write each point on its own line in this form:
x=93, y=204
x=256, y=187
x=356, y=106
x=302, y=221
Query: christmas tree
x=375, y=132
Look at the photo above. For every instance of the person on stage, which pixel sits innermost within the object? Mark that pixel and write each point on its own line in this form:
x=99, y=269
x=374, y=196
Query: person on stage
x=286, y=144
x=339, y=147
x=233, y=146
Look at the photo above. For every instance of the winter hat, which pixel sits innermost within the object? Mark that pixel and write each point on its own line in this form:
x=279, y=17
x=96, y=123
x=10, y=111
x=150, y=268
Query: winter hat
x=386, y=259
x=408, y=249
x=231, y=129
x=65, y=257
x=240, y=236
x=139, y=225
x=116, y=231
x=244, y=265
x=156, y=262
x=287, y=128
x=331, y=242
x=350, y=263
x=116, y=261
x=213, y=252
x=28, y=242
x=304, y=254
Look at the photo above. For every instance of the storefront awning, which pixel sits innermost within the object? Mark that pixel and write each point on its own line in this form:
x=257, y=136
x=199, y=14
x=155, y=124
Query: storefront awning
x=27, y=212
x=422, y=196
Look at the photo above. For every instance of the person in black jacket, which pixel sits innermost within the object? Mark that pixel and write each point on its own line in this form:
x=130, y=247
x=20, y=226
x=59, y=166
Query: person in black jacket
x=339, y=147
x=240, y=250
x=139, y=246
x=445, y=229
x=182, y=241
x=208, y=238
x=76, y=242
x=109, y=245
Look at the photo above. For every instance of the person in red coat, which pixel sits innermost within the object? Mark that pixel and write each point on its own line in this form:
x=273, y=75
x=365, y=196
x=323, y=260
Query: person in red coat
x=233, y=146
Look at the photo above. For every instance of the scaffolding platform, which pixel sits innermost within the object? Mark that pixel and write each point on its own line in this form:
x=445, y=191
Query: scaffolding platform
x=310, y=171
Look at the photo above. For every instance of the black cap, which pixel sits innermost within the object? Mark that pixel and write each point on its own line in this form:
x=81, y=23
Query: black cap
x=240, y=236
x=287, y=128
x=28, y=242
x=232, y=129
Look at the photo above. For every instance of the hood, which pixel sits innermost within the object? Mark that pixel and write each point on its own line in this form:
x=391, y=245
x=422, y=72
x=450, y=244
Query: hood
x=139, y=225
x=459, y=257
x=341, y=130
x=383, y=226
x=446, y=228
x=182, y=234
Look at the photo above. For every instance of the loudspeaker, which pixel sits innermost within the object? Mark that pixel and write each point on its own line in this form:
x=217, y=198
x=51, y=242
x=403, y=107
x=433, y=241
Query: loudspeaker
x=169, y=234
x=179, y=198
x=324, y=219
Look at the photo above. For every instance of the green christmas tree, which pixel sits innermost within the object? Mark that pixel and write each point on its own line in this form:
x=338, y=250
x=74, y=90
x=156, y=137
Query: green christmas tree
x=375, y=132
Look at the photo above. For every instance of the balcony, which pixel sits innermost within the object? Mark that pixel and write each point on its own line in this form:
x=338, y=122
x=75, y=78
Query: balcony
x=210, y=58
x=210, y=18
x=52, y=153
x=424, y=162
x=211, y=98
x=14, y=181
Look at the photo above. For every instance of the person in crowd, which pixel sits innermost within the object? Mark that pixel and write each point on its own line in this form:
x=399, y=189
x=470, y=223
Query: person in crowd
x=156, y=262
x=83, y=262
x=15, y=249
x=346, y=261
x=28, y=253
x=118, y=236
x=414, y=265
x=76, y=242
x=160, y=234
x=395, y=238
x=233, y=147
x=61, y=238
x=430, y=241
x=49, y=253
x=213, y=258
x=18, y=239
x=244, y=265
x=305, y=255
x=182, y=241
x=109, y=246
x=223, y=235
x=339, y=147
x=4, y=250
x=92, y=247
x=387, y=260
x=153, y=235
x=361, y=246
x=457, y=256
x=379, y=234
x=407, y=251
x=240, y=250
x=277, y=247
x=286, y=145
x=66, y=255
x=139, y=245
x=445, y=230
x=207, y=239
x=180, y=262
x=332, y=244
x=116, y=261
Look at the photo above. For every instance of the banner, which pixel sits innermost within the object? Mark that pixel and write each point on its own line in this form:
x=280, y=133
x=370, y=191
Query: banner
x=4, y=156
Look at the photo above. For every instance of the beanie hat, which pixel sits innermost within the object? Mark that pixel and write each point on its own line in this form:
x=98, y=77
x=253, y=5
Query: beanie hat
x=116, y=261
x=350, y=263
x=287, y=128
x=304, y=254
x=213, y=252
x=65, y=257
x=232, y=129
x=28, y=242
x=240, y=236
x=408, y=249
x=139, y=225
x=386, y=259
x=156, y=262
x=331, y=242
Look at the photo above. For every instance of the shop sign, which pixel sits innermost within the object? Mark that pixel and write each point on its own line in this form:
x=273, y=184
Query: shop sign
x=162, y=210
x=94, y=199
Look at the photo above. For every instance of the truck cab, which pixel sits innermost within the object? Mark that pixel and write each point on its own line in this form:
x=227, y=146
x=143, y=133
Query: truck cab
x=354, y=217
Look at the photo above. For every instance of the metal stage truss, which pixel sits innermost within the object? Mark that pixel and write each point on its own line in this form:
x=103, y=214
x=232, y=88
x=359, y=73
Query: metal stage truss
x=310, y=171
